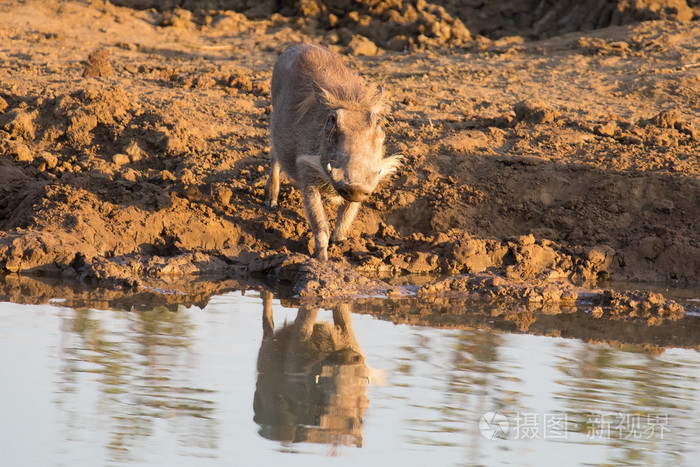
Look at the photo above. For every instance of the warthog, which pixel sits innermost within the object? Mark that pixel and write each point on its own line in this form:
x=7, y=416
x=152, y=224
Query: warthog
x=312, y=379
x=326, y=135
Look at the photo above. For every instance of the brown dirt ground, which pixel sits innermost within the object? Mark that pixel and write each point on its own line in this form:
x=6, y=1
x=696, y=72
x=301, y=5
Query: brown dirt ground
x=541, y=161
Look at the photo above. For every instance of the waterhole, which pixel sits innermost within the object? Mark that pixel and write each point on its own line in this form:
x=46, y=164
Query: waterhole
x=246, y=380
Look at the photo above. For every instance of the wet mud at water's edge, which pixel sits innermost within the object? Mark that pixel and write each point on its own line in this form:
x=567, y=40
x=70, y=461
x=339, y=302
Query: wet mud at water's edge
x=577, y=320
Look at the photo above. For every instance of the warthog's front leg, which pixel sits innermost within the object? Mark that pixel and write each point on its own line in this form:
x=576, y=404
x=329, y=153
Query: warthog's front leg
x=272, y=187
x=342, y=319
x=304, y=322
x=268, y=319
x=346, y=214
x=317, y=220
x=297, y=350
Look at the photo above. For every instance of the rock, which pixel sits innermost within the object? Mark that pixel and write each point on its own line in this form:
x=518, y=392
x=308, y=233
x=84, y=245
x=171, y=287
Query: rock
x=80, y=128
x=223, y=195
x=240, y=80
x=120, y=159
x=130, y=175
x=173, y=144
x=535, y=112
x=478, y=263
x=398, y=43
x=596, y=255
x=13, y=264
x=134, y=151
x=524, y=240
x=177, y=18
x=360, y=45
x=459, y=32
x=21, y=152
x=608, y=129
x=98, y=64
x=665, y=119
x=20, y=124
x=650, y=247
x=602, y=259
x=531, y=260
x=46, y=161
x=422, y=262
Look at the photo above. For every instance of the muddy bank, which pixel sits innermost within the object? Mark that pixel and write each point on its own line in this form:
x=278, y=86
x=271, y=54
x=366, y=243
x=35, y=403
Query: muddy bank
x=166, y=294
x=574, y=319
x=326, y=283
x=133, y=148
x=574, y=322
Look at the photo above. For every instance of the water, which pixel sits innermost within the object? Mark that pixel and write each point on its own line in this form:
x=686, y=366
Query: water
x=154, y=387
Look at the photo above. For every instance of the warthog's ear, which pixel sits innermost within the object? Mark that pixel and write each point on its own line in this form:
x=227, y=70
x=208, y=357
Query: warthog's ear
x=323, y=96
x=389, y=165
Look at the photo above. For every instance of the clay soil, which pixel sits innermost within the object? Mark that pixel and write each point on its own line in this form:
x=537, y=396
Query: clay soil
x=545, y=155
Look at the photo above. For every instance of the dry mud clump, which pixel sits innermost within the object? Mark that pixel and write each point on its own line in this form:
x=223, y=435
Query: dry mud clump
x=133, y=146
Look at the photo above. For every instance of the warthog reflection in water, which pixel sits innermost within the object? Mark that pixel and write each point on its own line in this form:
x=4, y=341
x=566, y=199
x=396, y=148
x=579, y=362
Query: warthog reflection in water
x=312, y=379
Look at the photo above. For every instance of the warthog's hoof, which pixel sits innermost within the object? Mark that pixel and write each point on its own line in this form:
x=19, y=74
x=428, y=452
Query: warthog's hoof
x=269, y=204
x=321, y=255
x=338, y=240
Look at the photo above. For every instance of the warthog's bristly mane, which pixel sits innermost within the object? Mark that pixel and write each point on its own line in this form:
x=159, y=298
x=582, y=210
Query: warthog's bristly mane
x=361, y=100
x=391, y=164
x=329, y=83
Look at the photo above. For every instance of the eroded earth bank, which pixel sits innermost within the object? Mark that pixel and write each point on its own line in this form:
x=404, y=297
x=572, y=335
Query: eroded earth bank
x=547, y=152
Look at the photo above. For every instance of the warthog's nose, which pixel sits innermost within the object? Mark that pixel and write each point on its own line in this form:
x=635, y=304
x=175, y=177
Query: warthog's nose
x=354, y=193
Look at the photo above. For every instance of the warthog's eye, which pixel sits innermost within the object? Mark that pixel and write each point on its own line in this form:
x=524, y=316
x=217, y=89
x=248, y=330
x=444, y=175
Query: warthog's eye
x=331, y=123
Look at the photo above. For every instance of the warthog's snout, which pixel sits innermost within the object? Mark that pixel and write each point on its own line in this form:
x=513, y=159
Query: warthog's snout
x=344, y=357
x=354, y=193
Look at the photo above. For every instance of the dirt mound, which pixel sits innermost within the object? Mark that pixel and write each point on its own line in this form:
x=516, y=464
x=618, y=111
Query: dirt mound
x=78, y=195
x=362, y=25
